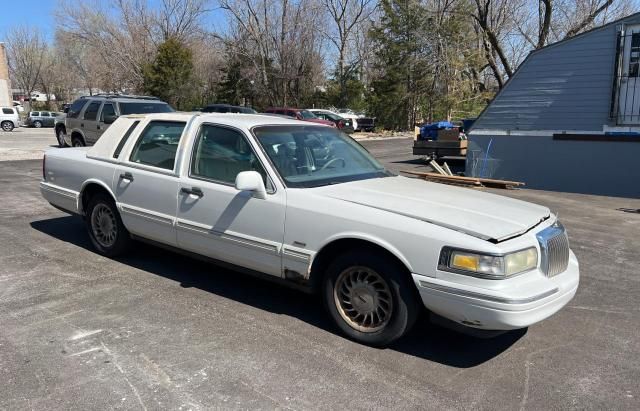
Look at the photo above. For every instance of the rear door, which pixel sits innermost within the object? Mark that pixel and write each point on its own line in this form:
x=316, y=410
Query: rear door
x=89, y=123
x=146, y=181
x=108, y=109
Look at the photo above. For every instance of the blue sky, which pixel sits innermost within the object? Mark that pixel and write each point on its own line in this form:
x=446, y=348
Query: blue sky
x=40, y=13
x=37, y=13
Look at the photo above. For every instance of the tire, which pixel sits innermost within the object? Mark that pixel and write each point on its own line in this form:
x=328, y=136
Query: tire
x=60, y=137
x=106, y=231
x=7, y=126
x=77, y=141
x=386, y=286
x=37, y=124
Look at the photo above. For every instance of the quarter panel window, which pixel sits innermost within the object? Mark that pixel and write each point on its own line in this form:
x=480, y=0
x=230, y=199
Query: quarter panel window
x=92, y=111
x=7, y=110
x=221, y=153
x=158, y=144
x=122, y=142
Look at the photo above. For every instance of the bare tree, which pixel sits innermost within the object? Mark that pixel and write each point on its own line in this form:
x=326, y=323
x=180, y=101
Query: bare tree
x=346, y=16
x=26, y=50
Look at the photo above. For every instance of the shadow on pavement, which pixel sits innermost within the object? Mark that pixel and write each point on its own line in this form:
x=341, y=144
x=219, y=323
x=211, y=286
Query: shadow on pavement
x=426, y=340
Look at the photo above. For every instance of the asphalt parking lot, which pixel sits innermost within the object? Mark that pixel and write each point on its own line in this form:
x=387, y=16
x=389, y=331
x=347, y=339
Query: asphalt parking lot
x=155, y=330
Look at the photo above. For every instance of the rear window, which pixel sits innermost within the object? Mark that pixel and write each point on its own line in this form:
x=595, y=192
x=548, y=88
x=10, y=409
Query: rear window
x=143, y=108
x=7, y=111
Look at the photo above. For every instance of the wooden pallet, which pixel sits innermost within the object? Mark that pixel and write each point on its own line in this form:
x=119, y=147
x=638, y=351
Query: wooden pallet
x=466, y=181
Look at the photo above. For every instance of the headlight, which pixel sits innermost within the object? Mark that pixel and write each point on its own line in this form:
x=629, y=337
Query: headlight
x=487, y=265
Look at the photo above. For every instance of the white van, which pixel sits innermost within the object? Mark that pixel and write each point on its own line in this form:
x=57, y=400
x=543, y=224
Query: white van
x=9, y=118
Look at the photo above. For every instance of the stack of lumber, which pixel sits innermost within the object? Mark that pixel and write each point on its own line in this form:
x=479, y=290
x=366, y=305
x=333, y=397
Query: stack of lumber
x=465, y=181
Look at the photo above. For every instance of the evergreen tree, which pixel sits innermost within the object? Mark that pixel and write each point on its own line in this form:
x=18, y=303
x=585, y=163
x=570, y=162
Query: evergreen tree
x=169, y=76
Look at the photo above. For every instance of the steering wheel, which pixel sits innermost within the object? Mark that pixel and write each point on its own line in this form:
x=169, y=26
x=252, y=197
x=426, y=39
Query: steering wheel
x=333, y=160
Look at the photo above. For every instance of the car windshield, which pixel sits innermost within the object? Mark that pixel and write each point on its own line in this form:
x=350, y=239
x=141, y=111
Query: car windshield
x=143, y=108
x=307, y=114
x=246, y=110
x=313, y=156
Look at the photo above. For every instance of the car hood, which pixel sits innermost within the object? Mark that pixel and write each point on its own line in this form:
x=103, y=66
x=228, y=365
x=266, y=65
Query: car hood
x=487, y=216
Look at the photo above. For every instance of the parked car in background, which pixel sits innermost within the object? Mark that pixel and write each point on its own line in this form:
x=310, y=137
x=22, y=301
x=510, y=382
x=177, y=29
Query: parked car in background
x=344, y=124
x=42, y=97
x=40, y=119
x=299, y=114
x=228, y=108
x=89, y=116
x=376, y=247
x=360, y=121
x=9, y=118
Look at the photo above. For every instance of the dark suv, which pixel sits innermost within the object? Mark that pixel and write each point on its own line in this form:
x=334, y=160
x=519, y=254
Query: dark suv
x=89, y=116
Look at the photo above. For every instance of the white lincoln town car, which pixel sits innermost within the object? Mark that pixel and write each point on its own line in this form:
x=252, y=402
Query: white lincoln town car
x=307, y=205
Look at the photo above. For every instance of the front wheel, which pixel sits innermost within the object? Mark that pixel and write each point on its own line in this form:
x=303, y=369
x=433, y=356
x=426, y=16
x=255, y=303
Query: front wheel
x=370, y=298
x=37, y=124
x=106, y=231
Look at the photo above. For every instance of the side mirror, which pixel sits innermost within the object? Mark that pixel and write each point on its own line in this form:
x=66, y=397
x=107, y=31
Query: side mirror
x=251, y=181
x=110, y=118
x=65, y=110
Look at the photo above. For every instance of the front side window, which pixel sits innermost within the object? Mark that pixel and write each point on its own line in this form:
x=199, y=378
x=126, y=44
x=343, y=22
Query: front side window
x=306, y=114
x=312, y=156
x=144, y=108
x=76, y=108
x=158, y=144
x=221, y=153
x=35, y=114
x=91, y=113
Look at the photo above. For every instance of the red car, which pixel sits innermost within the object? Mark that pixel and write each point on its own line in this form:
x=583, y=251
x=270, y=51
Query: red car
x=299, y=114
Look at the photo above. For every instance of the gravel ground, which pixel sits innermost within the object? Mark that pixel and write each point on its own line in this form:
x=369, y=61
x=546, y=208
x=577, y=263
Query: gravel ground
x=155, y=330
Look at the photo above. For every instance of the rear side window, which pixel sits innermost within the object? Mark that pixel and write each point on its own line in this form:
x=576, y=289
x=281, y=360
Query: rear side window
x=158, y=144
x=122, y=142
x=143, y=108
x=91, y=113
x=108, y=110
x=76, y=108
x=7, y=111
x=43, y=114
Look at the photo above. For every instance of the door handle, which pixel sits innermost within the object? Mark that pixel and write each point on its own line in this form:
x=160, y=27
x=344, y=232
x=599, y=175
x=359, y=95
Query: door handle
x=98, y=126
x=126, y=176
x=192, y=191
x=82, y=125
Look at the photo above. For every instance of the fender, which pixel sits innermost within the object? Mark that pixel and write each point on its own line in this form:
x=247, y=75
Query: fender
x=350, y=235
x=85, y=184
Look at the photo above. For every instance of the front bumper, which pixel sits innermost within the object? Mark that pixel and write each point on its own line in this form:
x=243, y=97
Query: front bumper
x=505, y=308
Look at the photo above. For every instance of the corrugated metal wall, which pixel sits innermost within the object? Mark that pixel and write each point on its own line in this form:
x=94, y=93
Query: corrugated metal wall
x=566, y=86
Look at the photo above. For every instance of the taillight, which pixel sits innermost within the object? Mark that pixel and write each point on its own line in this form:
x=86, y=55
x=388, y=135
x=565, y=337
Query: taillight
x=44, y=160
x=340, y=124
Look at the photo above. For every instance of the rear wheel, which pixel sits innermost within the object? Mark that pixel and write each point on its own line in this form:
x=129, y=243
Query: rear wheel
x=369, y=297
x=7, y=126
x=37, y=124
x=77, y=141
x=106, y=231
x=60, y=137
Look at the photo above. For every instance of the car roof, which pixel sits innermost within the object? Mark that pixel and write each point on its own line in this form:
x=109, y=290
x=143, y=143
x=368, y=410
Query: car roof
x=230, y=119
x=124, y=98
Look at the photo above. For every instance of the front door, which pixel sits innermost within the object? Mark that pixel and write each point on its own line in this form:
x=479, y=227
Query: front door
x=107, y=110
x=629, y=85
x=215, y=219
x=146, y=184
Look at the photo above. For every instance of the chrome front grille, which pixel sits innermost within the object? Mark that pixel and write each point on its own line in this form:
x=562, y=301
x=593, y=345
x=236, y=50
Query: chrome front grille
x=554, y=247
